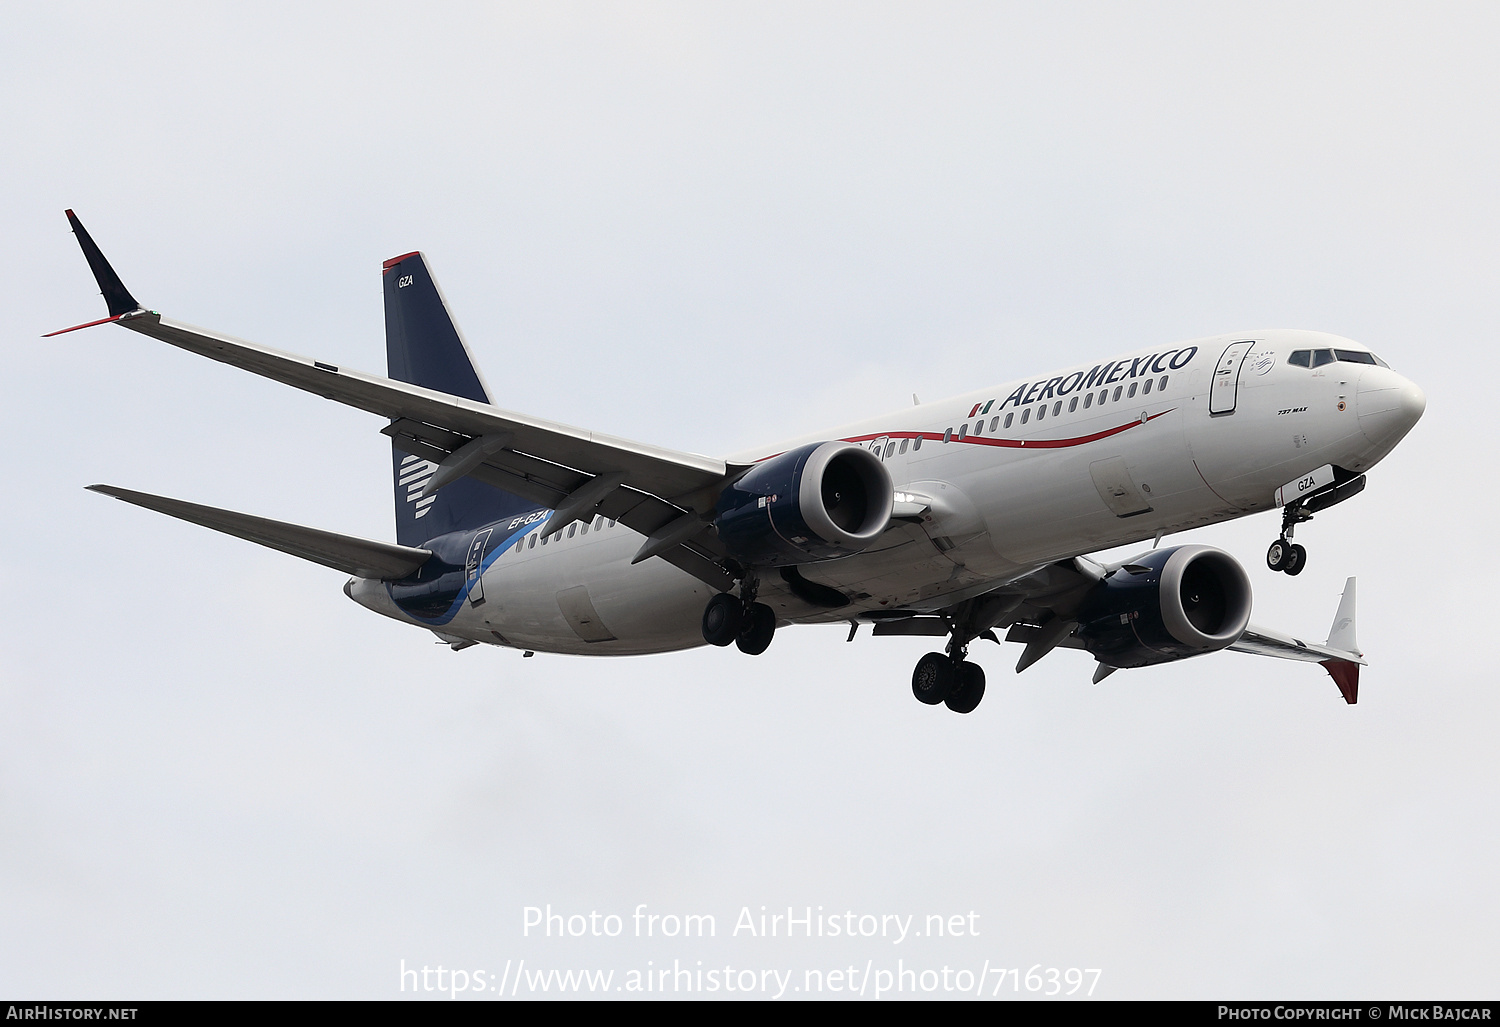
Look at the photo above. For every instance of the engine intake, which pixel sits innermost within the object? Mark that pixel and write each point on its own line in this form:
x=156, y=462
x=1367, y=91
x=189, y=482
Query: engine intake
x=816, y=502
x=1166, y=605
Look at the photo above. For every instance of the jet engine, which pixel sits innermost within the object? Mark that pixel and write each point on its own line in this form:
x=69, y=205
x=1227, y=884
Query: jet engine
x=1166, y=605
x=816, y=502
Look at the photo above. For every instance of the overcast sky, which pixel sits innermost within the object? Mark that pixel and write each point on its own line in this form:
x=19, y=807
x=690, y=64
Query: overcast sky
x=708, y=227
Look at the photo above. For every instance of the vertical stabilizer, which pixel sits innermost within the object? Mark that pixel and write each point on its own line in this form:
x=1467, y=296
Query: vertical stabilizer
x=423, y=347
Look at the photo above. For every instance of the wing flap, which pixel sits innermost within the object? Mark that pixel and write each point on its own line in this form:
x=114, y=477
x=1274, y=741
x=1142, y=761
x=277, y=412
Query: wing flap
x=361, y=557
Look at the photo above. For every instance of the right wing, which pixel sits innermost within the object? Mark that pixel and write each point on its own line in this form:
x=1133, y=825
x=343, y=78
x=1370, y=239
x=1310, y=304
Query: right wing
x=1340, y=655
x=666, y=495
x=1039, y=608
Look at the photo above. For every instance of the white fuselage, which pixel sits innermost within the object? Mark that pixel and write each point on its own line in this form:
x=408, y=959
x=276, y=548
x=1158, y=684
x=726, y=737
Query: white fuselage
x=1031, y=472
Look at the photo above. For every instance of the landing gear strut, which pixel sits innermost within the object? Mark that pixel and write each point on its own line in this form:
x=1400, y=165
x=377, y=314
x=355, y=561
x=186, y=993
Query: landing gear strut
x=1284, y=555
x=740, y=620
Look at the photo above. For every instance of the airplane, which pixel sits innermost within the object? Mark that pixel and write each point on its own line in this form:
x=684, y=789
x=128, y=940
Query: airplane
x=954, y=519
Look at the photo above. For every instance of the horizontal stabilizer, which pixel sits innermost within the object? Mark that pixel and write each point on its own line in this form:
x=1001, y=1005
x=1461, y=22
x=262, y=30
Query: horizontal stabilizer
x=361, y=557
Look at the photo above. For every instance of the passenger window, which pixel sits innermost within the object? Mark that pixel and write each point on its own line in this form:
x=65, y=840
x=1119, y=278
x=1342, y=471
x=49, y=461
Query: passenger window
x=916, y=443
x=904, y=444
x=1041, y=411
x=1072, y=404
x=1131, y=394
x=1118, y=389
x=979, y=427
x=1009, y=417
x=1163, y=383
x=1146, y=389
x=1025, y=415
x=572, y=529
x=545, y=538
x=963, y=431
x=890, y=447
x=611, y=522
x=1088, y=401
x=598, y=522
x=1103, y=395
x=1301, y=358
x=1321, y=357
x=1057, y=408
x=948, y=436
x=994, y=423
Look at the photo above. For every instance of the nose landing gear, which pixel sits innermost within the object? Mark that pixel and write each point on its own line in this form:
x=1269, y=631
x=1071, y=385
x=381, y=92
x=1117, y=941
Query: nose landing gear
x=1284, y=555
x=1289, y=558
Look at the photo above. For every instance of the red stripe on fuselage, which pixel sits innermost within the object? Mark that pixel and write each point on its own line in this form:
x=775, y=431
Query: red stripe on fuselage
x=990, y=440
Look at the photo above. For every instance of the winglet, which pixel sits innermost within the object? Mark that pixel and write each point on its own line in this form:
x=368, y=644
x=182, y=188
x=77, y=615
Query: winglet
x=110, y=287
x=1341, y=635
x=1346, y=675
x=115, y=294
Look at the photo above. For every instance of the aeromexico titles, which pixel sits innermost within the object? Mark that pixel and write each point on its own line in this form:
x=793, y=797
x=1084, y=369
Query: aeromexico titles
x=958, y=520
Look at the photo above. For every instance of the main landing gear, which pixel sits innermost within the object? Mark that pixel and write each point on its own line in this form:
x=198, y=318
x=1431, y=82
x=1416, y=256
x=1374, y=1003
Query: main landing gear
x=1284, y=555
x=948, y=679
x=741, y=620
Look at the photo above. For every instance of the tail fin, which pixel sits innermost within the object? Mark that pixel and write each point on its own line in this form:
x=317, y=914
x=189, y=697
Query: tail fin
x=423, y=347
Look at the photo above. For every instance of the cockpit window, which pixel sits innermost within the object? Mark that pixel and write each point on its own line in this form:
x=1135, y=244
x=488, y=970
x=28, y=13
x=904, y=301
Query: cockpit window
x=1319, y=357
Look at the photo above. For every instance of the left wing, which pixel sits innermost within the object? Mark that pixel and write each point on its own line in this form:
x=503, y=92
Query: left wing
x=664, y=494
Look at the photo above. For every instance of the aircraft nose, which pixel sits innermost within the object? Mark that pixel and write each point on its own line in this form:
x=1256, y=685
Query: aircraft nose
x=1388, y=404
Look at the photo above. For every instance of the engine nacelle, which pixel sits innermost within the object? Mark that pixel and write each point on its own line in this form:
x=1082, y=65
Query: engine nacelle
x=816, y=502
x=1166, y=605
